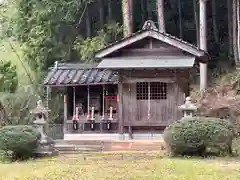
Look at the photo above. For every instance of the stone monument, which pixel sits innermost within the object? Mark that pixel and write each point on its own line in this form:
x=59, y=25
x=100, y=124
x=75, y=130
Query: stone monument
x=46, y=144
x=188, y=108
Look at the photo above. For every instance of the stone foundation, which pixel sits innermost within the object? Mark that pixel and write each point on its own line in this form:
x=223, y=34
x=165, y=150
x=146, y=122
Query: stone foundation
x=112, y=137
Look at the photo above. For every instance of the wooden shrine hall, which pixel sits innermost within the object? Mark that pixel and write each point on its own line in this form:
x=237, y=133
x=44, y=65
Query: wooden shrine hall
x=137, y=85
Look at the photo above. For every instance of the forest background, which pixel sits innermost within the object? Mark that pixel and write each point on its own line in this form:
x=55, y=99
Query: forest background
x=36, y=33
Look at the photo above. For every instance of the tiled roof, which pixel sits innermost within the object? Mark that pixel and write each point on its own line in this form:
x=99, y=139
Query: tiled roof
x=79, y=74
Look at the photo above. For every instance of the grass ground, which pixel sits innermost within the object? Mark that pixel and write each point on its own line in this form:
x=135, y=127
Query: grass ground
x=76, y=168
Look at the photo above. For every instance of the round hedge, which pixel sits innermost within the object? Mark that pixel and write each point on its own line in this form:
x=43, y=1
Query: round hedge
x=20, y=140
x=200, y=136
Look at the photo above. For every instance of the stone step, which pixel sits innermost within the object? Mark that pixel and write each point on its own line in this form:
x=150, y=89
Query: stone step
x=98, y=146
x=79, y=142
x=78, y=148
x=134, y=146
x=73, y=152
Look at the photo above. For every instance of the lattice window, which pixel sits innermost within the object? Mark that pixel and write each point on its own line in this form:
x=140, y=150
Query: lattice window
x=158, y=90
x=142, y=90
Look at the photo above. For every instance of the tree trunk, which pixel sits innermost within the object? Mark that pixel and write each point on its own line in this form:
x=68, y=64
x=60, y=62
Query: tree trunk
x=88, y=24
x=195, y=9
x=235, y=37
x=203, y=43
x=230, y=36
x=142, y=12
x=160, y=13
x=180, y=19
x=149, y=10
x=127, y=17
x=214, y=21
x=109, y=10
x=101, y=13
x=238, y=29
x=3, y=116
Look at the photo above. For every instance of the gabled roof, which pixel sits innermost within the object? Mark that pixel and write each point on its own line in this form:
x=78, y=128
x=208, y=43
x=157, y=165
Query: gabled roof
x=149, y=30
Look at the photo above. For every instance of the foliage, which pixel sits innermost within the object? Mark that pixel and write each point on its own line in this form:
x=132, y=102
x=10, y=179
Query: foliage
x=200, y=136
x=6, y=22
x=47, y=30
x=222, y=100
x=87, y=47
x=21, y=141
x=17, y=105
x=8, y=77
x=236, y=146
x=56, y=105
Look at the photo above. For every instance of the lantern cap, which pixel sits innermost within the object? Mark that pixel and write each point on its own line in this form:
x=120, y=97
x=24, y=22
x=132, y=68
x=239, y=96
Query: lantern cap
x=188, y=105
x=40, y=108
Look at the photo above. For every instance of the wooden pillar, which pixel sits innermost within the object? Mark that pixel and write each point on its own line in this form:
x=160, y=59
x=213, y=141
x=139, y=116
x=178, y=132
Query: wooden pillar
x=47, y=106
x=203, y=42
x=120, y=107
x=149, y=101
x=88, y=103
x=103, y=104
x=74, y=101
x=65, y=113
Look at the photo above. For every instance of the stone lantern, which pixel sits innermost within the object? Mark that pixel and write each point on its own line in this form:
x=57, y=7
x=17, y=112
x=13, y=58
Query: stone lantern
x=188, y=108
x=46, y=144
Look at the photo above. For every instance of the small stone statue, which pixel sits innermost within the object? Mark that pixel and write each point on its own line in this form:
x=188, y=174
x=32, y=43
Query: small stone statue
x=188, y=108
x=80, y=109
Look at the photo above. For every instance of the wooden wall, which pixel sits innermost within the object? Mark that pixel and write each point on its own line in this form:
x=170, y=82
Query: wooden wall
x=148, y=47
x=162, y=112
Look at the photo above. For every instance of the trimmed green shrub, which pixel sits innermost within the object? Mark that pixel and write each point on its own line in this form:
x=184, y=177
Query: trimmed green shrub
x=200, y=136
x=19, y=141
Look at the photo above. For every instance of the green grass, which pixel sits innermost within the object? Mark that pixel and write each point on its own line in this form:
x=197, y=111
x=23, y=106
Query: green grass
x=75, y=168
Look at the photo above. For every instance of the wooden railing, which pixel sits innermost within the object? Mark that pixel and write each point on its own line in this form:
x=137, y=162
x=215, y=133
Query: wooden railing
x=55, y=131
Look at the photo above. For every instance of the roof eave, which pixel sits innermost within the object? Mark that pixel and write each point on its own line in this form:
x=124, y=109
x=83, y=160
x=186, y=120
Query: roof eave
x=73, y=85
x=181, y=45
x=140, y=68
x=116, y=46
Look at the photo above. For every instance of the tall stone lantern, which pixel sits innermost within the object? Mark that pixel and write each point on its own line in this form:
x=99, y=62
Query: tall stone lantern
x=46, y=144
x=188, y=108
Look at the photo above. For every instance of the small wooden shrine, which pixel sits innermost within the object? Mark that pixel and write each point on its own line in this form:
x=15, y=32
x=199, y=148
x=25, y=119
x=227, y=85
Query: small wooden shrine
x=137, y=86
